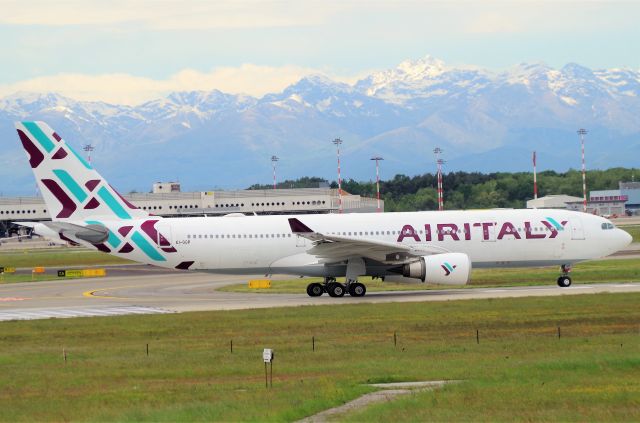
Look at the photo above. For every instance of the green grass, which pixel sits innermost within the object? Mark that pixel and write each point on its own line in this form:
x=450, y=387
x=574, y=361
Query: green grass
x=611, y=270
x=519, y=371
x=22, y=277
x=57, y=257
x=634, y=231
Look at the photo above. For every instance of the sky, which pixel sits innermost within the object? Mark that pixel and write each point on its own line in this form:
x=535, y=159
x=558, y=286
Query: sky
x=128, y=52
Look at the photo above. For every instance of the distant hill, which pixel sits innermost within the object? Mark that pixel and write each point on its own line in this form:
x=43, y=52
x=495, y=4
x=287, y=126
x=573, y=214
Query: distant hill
x=484, y=121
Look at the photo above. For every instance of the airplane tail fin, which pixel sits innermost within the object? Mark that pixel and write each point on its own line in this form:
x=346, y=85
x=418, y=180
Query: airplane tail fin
x=71, y=188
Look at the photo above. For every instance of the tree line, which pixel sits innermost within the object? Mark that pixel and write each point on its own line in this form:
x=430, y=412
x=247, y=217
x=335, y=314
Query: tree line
x=470, y=190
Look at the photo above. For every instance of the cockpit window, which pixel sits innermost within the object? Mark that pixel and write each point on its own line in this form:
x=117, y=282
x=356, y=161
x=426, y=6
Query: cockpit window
x=605, y=226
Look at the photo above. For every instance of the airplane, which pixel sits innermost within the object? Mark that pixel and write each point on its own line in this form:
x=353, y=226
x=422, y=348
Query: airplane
x=438, y=247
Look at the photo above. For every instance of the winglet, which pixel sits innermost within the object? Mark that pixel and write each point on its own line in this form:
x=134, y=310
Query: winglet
x=298, y=227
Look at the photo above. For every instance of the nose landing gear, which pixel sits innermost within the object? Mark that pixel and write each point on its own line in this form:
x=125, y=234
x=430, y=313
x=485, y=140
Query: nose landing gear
x=564, y=280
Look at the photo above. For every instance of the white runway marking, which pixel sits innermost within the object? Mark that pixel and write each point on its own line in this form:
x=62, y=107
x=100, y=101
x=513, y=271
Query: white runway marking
x=26, y=314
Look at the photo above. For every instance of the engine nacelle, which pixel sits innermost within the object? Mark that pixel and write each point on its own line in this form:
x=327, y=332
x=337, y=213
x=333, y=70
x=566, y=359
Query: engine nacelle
x=441, y=269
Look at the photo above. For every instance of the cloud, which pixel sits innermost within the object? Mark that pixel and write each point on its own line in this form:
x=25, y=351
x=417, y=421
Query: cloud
x=169, y=14
x=493, y=23
x=122, y=88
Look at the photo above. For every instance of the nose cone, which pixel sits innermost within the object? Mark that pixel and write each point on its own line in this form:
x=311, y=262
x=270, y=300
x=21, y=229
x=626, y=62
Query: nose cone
x=625, y=238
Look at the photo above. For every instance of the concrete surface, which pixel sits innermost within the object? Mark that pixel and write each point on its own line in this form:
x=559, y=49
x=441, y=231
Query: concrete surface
x=184, y=291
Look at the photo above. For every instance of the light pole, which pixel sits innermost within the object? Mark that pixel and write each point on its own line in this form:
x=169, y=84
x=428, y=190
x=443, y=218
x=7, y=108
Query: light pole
x=274, y=160
x=377, y=159
x=535, y=180
x=582, y=132
x=88, y=148
x=437, y=151
x=337, y=142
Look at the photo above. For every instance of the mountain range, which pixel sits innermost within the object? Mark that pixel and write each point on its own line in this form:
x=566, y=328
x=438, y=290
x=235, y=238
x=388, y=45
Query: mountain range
x=483, y=121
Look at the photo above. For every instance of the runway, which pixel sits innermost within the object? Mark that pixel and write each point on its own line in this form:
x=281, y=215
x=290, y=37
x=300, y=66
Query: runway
x=141, y=289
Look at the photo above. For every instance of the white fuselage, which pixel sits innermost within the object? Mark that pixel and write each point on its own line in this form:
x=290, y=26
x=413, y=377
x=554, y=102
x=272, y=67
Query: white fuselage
x=491, y=238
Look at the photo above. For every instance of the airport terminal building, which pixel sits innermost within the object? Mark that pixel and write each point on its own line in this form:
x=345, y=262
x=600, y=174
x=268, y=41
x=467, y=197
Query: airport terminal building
x=167, y=200
x=612, y=202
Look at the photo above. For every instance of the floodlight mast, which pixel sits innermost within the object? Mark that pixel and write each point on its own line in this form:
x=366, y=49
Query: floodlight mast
x=582, y=132
x=535, y=180
x=337, y=143
x=274, y=160
x=437, y=151
x=377, y=159
x=88, y=148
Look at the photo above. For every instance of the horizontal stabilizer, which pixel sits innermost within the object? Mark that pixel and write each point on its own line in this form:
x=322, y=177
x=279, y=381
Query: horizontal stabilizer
x=93, y=233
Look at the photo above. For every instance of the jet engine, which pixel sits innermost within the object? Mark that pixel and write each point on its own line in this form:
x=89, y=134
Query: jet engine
x=442, y=269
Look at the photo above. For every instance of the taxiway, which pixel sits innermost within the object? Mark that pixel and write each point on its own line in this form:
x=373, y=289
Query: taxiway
x=142, y=289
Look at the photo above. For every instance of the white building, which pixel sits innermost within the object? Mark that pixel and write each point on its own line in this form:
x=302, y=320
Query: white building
x=170, y=203
x=552, y=202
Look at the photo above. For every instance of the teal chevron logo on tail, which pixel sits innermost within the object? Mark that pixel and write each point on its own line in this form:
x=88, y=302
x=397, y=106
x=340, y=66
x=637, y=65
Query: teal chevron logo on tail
x=71, y=188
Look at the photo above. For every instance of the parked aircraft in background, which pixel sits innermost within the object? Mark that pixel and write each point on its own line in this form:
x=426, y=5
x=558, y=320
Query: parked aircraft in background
x=431, y=247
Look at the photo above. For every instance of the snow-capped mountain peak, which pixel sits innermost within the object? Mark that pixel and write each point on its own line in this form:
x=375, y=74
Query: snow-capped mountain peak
x=428, y=66
x=399, y=113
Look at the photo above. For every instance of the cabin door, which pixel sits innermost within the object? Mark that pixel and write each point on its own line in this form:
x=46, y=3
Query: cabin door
x=577, y=230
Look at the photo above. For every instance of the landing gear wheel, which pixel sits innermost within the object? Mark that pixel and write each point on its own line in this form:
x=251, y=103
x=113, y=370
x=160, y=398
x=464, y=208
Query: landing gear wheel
x=315, y=289
x=336, y=289
x=564, y=281
x=357, y=289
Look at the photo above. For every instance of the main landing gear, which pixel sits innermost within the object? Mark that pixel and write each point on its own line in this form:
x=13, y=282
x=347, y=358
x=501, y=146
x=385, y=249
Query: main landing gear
x=336, y=289
x=355, y=268
x=564, y=280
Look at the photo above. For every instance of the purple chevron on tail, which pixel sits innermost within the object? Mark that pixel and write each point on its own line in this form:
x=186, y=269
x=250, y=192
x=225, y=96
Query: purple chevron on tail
x=71, y=188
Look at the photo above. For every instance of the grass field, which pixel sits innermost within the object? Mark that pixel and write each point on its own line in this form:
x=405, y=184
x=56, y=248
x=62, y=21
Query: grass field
x=51, y=258
x=57, y=257
x=520, y=370
x=21, y=277
x=634, y=231
x=623, y=270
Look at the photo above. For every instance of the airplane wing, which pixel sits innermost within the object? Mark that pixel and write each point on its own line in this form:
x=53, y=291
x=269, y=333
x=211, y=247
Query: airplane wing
x=336, y=248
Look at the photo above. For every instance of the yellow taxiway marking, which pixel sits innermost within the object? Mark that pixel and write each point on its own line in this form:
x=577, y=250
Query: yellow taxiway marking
x=92, y=293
